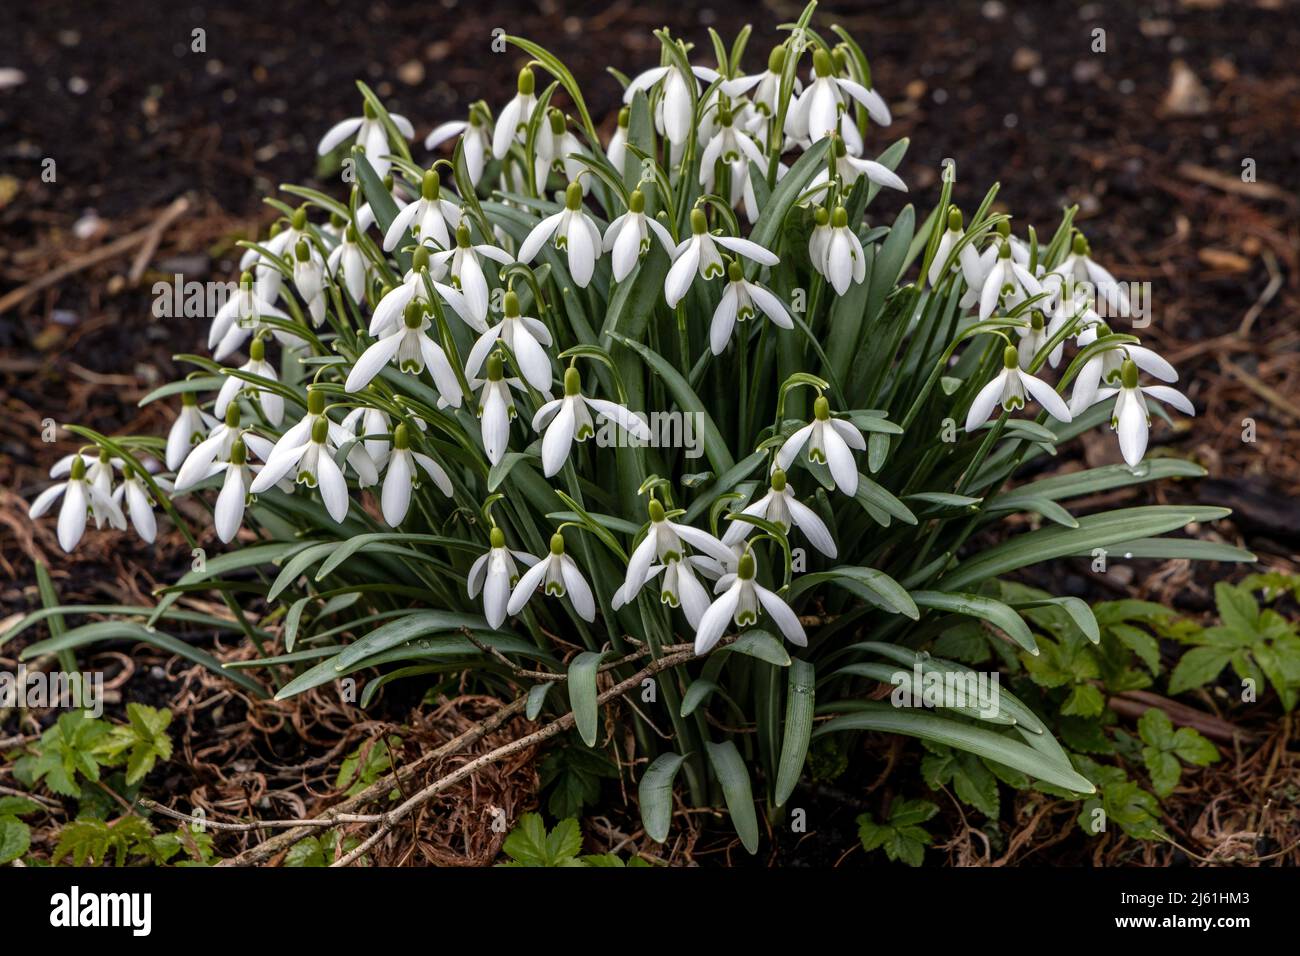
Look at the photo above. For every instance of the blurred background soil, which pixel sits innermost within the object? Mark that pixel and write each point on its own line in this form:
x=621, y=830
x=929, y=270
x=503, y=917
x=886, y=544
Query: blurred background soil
x=1153, y=139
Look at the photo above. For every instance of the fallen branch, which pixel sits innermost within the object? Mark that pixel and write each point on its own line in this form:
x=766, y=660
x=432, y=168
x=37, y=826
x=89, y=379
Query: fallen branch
x=677, y=656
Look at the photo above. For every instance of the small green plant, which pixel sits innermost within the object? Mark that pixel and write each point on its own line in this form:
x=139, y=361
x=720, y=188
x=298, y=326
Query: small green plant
x=78, y=746
x=15, y=835
x=901, y=836
x=1259, y=643
x=129, y=840
x=529, y=844
x=1166, y=747
x=321, y=850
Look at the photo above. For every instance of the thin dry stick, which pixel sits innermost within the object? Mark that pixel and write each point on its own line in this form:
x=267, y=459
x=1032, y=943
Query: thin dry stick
x=393, y=817
x=102, y=254
x=282, y=841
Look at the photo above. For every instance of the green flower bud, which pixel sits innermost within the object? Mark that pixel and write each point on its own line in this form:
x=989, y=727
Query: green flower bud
x=302, y=251
x=1128, y=374
x=573, y=197
x=776, y=59
x=1005, y=251
x=745, y=567
x=527, y=82
x=636, y=202
x=1079, y=246
x=734, y=272
x=556, y=119
x=1004, y=228
x=462, y=236
x=430, y=185
x=350, y=233
x=299, y=218
x=232, y=415
x=413, y=316
x=954, y=219
x=778, y=481
x=1010, y=357
x=189, y=399
x=257, y=350
x=238, y=453
x=822, y=216
x=497, y=537
x=840, y=59
x=78, y=469
x=625, y=117
x=246, y=281
x=420, y=259
x=656, y=510
x=823, y=65
x=495, y=367
x=1036, y=321
x=840, y=219
x=510, y=302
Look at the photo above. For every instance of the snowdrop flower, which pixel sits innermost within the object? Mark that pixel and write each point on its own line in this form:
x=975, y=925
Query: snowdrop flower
x=136, y=501
x=616, y=151
x=99, y=472
x=1007, y=281
x=572, y=230
x=674, y=116
x=816, y=113
x=371, y=426
x=312, y=464
x=188, y=429
x=1130, y=419
x=371, y=136
x=392, y=305
x=1008, y=388
x=663, y=542
x=348, y=265
x=554, y=148
x=558, y=576
x=234, y=497
x=1079, y=267
x=467, y=272
x=428, y=217
x=829, y=441
x=525, y=337
x=782, y=508
x=80, y=498
x=819, y=240
x=293, y=443
x=968, y=259
x=1034, y=332
x=238, y=316
x=282, y=243
x=740, y=302
x=309, y=278
x=678, y=588
x=272, y=404
x=729, y=145
x=473, y=135
x=496, y=408
x=495, y=573
x=1107, y=366
x=403, y=475
x=766, y=86
x=699, y=254
x=412, y=350
x=205, y=459
x=739, y=602
x=628, y=236
x=849, y=168
x=515, y=116
x=567, y=419
x=845, y=262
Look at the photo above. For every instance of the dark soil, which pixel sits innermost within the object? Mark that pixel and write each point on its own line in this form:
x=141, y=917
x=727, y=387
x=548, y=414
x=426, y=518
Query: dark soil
x=1149, y=137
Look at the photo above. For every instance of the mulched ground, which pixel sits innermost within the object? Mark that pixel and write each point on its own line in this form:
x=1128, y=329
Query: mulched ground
x=1150, y=138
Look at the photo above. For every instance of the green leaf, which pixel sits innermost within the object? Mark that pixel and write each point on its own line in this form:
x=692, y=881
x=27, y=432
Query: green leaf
x=875, y=587
x=582, y=694
x=985, y=608
x=734, y=777
x=800, y=696
x=977, y=740
x=655, y=795
x=1198, y=667
x=15, y=838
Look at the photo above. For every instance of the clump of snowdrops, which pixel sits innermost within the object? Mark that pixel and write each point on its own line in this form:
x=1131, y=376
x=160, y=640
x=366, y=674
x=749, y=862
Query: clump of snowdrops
x=553, y=406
